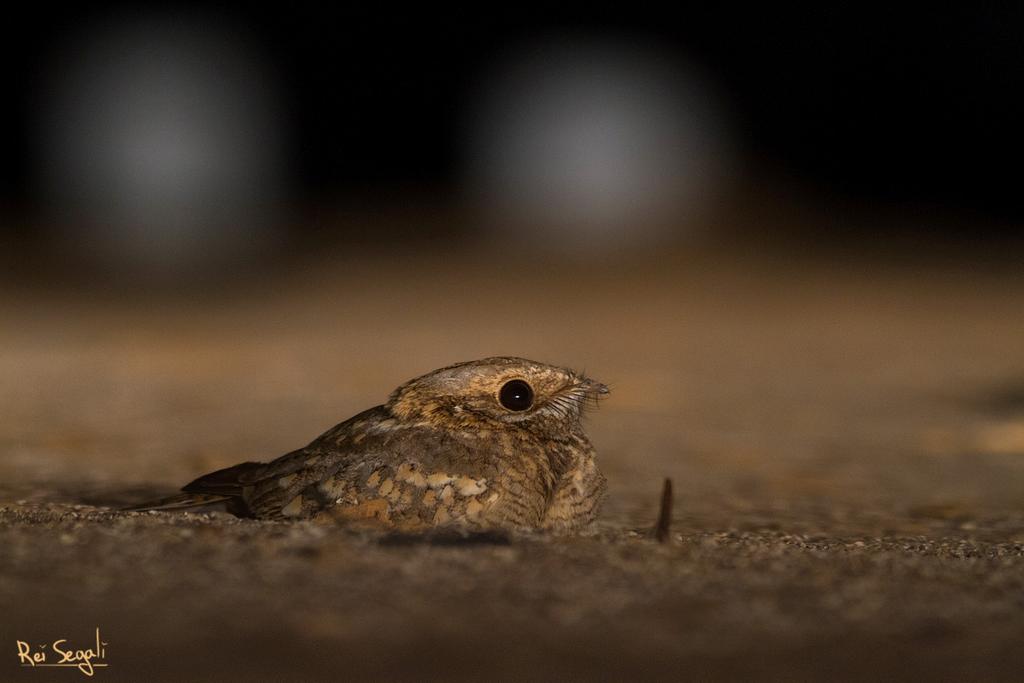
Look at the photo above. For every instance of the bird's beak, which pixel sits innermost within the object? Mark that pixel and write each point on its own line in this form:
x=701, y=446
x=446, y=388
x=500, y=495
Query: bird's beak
x=595, y=389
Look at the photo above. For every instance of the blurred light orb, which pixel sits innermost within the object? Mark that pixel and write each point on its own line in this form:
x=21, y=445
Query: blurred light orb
x=595, y=145
x=158, y=146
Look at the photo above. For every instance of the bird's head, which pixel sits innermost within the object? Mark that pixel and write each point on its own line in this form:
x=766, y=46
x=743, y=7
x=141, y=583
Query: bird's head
x=545, y=399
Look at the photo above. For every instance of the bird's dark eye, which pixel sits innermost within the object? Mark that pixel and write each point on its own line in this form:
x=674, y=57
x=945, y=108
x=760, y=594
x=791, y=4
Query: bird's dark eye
x=516, y=395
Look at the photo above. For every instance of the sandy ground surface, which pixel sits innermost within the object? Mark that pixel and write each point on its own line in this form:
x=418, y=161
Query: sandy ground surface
x=846, y=443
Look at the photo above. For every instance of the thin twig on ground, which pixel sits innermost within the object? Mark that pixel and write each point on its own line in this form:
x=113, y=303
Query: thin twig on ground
x=661, y=529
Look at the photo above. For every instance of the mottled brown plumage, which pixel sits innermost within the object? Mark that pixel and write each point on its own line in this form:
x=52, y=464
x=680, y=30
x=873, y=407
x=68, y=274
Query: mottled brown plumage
x=468, y=445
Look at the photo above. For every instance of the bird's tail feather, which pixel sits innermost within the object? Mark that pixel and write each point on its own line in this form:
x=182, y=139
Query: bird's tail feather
x=182, y=501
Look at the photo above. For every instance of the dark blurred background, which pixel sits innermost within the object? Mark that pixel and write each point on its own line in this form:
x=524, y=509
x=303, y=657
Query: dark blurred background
x=179, y=140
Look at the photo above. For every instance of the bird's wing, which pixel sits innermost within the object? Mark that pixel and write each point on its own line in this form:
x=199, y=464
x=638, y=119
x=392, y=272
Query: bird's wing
x=262, y=489
x=412, y=476
x=371, y=463
x=377, y=465
x=271, y=491
x=225, y=482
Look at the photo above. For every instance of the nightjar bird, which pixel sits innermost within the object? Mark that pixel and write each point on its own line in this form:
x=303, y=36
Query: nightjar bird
x=492, y=443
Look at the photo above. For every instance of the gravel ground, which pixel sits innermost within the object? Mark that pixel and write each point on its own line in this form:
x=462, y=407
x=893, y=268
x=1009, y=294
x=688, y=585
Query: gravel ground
x=846, y=447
